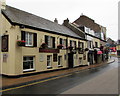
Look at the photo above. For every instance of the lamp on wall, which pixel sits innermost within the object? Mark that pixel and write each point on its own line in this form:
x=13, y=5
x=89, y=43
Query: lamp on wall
x=12, y=26
x=5, y=33
x=18, y=37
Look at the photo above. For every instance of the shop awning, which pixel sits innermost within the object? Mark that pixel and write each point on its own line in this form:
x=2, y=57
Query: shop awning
x=99, y=52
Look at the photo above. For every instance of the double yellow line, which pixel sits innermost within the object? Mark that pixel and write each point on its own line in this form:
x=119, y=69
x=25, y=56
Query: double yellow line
x=34, y=83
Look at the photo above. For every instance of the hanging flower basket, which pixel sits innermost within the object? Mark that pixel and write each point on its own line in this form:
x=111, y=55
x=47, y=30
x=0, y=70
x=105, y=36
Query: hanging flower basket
x=70, y=47
x=79, y=48
x=60, y=46
x=44, y=45
x=21, y=43
x=86, y=49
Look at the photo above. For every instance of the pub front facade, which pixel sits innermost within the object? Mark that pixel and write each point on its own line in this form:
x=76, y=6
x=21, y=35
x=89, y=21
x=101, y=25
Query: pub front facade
x=34, y=44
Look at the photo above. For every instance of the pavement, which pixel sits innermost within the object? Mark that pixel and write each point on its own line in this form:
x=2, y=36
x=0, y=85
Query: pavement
x=104, y=83
x=13, y=82
x=108, y=84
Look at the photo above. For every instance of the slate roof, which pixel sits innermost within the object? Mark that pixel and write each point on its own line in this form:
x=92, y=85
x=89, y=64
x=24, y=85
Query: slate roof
x=21, y=17
x=88, y=22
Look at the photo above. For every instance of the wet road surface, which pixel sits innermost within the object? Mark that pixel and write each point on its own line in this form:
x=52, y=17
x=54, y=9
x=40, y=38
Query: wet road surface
x=69, y=82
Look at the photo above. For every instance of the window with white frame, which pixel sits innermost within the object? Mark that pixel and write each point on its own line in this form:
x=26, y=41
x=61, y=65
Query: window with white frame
x=81, y=45
x=63, y=42
x=87, y=30
x=73, y=43
x=59, y=60
x=50, y=41
x=49, y=61
x=28, y=39
x=96, y=44
x=28, y=63
x=90, y=44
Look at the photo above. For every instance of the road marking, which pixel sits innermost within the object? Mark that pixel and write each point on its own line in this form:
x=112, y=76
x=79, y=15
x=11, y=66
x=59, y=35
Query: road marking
x=34, y=83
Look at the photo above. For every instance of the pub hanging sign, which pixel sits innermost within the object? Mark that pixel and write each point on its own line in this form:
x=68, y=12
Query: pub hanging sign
x=4, y=43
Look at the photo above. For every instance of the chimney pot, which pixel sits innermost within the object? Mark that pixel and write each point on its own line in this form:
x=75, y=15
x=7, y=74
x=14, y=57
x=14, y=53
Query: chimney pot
x=56, y=21
x=2, y=4
x=66, y=22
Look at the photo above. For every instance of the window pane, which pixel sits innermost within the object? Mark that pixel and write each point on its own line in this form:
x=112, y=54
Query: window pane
x=30, y=58
x=26, y=38
x=27, y=58
x=26, y=65
x=64, y=43
x=49, y=41
x=80, y=60
x=60, y=40
x=48, y=63
x=24, y=58
x=30, y=38
x=70, y=42
x=31, y=64
x=59, y=60
x=78, y=44
x=48, y=57
x=48, y=60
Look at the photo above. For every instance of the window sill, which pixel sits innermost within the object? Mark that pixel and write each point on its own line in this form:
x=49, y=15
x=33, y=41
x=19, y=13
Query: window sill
x=29, y=70
x=60, y=66
x=29, y=46
x=49, y=67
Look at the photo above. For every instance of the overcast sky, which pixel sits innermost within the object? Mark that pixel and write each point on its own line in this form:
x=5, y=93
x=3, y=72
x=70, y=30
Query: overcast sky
x=104, y=12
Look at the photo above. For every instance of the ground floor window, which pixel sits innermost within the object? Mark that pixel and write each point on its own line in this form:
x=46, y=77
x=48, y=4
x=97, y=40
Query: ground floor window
x=59, y=60
x=49, y=61
x=80, y=61
x=28, y=63
x=65, y=56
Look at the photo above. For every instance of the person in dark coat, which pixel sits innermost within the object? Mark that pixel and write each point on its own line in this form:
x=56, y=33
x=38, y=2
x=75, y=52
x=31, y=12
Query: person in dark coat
x=101, y=49
x=95, y=55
